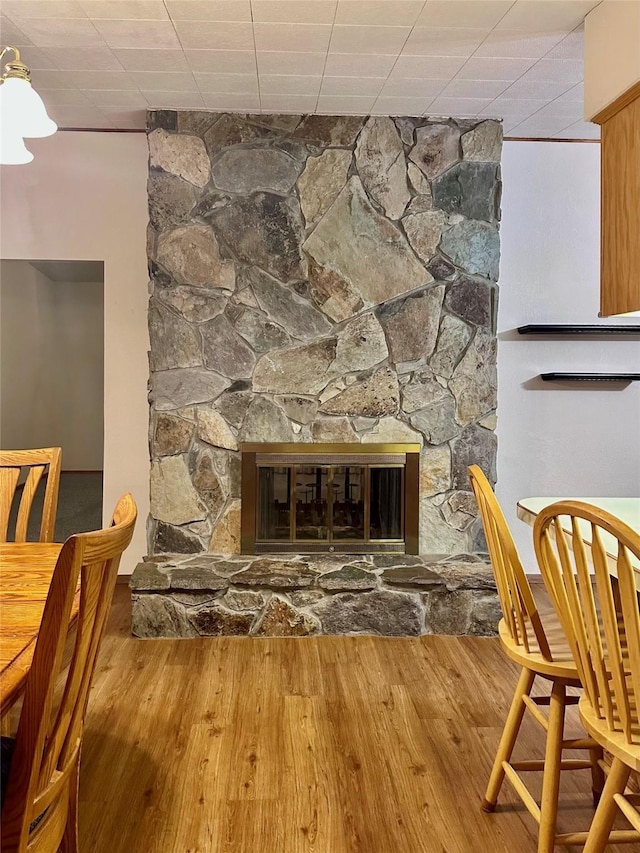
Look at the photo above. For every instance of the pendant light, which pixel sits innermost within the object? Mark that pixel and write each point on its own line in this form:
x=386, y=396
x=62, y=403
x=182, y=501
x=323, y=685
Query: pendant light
x=22, y=112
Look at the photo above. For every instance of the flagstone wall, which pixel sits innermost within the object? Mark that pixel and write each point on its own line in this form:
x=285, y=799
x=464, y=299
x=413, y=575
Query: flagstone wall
x=319, y=278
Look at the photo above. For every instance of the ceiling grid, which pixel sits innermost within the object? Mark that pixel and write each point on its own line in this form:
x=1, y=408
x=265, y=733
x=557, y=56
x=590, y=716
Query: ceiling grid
x=103, y=63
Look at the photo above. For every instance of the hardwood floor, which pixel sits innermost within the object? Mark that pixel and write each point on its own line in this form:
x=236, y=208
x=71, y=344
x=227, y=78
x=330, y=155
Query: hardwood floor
x=322, y=745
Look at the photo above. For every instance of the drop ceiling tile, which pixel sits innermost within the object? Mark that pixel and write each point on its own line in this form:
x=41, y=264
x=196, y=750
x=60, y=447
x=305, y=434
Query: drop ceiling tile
x=38, y=58
x=463, y=13
x=535, y=126
x=438, y=67
x=413, y=87
x=543, y=16
x=575, y=93
x=345, y=105
x=560, y=70
x=167, y=81
x=351, y=86
x=571, y=110
x=61, y=32
x=53, y=79
x=76, y=116
x=513, y=107
x=288, y=103
x=119, y=80
x=283, y=62
x=289, y=84
x=10, y=34
x=226, y=61
x=400, y=106
x=175, y=100
x=229, y=83
x=209, y=10
x=139, y=59
x=571, y=46
x=546, y=90
x=299, y=12
x=138, y=34
x=67, y=97
x=43, y=9
x=517, y=43
x=359, y=64
x=394, y=13
x=494, y=68
x=444, y=41
x=115, y=97
x=215, y=35
x=580, y=130
x=231, y=103
x=361, y=39
x=149, y=10
x=458, y=106
x=292, y=37
x=85, y=59
x=126, y=119
x=475, y=88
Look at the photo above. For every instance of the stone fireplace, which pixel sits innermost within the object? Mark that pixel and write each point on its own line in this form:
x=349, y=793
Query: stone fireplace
x=315, y=279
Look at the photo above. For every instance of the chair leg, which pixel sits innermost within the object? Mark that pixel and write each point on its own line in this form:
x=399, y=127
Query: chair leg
x=551, y=777
x=597, y=774
x=606, y=811
x=508, y=739
x=69, y=843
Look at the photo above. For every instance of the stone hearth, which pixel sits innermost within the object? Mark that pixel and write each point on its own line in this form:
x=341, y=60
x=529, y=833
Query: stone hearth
x=295, y=596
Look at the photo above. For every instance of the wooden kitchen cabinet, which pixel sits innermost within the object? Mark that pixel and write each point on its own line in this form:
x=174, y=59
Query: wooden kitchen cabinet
x=620, y=210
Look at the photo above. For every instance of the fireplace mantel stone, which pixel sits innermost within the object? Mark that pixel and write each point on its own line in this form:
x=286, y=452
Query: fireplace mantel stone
x=286, y=595
x=319, y=278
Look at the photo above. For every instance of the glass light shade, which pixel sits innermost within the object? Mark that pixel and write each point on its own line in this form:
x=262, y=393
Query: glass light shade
x=22, y=109
x=13, y=151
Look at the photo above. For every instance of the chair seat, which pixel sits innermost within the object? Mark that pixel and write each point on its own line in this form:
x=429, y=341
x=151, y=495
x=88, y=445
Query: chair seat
x=614, y=742
x=562, y=665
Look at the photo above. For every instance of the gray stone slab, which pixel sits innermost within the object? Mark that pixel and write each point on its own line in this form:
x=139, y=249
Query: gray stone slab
x=387, y=613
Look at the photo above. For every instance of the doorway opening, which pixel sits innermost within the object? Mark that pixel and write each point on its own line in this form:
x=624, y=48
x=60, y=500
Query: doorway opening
x=52, y=377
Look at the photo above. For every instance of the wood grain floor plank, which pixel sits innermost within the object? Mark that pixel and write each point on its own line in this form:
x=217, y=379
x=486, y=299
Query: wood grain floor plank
x=319, y=745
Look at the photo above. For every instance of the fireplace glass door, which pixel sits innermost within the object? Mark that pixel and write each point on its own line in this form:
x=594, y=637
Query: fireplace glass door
x=346, y=504
x=302, y=498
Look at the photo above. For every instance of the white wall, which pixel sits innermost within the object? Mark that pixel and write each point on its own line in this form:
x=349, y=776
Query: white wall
x=556, y=440
x=52, y=378
x=84, y=198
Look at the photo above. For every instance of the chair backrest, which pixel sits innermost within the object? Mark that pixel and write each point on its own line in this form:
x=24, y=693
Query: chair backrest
x=36, y=463
x=600, y=615
x=50, y=732
x=519, y=607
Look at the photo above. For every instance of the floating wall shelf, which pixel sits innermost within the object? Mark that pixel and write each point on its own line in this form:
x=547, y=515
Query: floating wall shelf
x=560, y=329
x=590, y=377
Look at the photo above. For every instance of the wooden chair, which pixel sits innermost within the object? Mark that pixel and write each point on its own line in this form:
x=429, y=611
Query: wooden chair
x=37, y=462
x=40, y=808
x=543, y=652
x=601, y=616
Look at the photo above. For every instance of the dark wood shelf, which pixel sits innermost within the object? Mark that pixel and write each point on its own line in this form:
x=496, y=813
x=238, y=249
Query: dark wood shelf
x=563, y=329
x=590, y=377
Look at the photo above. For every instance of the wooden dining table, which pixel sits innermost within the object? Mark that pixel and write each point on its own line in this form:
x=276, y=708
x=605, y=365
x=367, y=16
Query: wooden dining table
x=626, y=509
x=26, y=569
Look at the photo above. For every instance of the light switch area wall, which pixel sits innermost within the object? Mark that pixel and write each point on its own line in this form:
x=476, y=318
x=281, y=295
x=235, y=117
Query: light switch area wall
x=558, y=440
x=51, y=365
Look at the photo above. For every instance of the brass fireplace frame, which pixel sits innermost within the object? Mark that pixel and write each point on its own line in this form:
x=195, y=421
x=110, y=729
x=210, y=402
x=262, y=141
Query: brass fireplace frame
x=405, y=455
